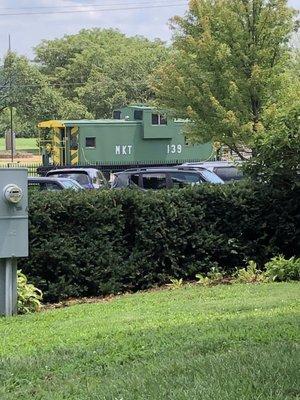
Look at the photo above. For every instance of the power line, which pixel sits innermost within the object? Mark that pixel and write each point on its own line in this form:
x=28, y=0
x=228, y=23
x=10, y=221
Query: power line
x=95, y=10
x=79, y=6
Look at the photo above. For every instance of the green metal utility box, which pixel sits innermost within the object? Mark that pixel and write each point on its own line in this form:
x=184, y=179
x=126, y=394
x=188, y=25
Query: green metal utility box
x=13, y=233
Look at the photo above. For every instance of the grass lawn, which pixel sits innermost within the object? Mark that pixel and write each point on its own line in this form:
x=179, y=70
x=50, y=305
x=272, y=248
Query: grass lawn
x=21, y=143
x=227, y=342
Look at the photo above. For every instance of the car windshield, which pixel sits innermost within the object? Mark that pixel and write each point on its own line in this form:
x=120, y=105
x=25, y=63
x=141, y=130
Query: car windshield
x=183, y=179
x=211, y=177
x=154, y=181
x=229, y=173
x=79, y=177
x=70, y=184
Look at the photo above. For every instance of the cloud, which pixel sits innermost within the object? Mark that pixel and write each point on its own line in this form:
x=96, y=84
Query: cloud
x=28, y=31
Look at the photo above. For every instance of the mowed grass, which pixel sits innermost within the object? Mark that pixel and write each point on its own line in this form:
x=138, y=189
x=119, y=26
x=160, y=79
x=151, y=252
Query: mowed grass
x=227, y=342
x=21, y=144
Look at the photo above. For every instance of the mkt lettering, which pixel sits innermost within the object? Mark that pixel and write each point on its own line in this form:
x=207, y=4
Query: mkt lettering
x=123, y=150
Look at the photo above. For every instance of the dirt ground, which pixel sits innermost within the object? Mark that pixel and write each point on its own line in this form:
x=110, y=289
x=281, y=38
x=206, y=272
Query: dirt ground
x=29, y=159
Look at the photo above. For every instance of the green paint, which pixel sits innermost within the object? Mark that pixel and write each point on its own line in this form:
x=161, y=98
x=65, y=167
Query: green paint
x=128, y=140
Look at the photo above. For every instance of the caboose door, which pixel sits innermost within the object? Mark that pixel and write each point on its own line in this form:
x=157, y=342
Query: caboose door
x=73, y=145
x=59, y=146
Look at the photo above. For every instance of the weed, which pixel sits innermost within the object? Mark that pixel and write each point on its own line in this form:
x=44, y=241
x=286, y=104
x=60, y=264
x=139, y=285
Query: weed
x=213, y=277
x=175, y=283
x=29, y=297
x=250, y=274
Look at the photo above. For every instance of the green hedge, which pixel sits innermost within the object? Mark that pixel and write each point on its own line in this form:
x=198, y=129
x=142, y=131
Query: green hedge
x=94, y=243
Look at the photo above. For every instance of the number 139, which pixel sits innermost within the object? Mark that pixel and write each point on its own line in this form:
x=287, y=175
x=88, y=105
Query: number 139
x=174, y=149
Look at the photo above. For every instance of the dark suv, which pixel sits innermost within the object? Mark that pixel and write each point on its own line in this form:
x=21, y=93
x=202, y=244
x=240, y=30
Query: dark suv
x=163, y=178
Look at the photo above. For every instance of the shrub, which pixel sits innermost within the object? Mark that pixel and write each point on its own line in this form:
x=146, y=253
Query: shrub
x=100, y=242
x=281, y=269
x=277, y=151
x=29, y=297
x=175, y=283
x=250, y=274
x=213, y=277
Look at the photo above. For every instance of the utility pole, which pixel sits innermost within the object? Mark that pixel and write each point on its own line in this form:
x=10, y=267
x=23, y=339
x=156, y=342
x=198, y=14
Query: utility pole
x=10, y=105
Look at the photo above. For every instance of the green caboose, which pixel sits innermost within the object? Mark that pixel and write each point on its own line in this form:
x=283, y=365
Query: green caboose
x=136, y=134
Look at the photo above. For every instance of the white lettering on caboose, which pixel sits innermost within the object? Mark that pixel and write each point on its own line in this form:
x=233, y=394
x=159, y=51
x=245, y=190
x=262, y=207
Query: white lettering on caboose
x=123, y=150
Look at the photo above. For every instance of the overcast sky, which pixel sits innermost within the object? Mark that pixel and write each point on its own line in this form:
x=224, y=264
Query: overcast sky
x=28, y=30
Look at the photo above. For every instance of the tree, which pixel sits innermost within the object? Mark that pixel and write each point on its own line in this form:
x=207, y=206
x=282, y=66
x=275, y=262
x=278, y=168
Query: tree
x=24, y=88
x=23, y=82
x=227, y=67
x=277, y=153
x=22, y=127
x=101, y=69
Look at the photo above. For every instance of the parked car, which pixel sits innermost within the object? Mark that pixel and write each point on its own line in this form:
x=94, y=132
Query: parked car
x=88, y=178
x=163, y=178
x=227, y=171
x=44, y=183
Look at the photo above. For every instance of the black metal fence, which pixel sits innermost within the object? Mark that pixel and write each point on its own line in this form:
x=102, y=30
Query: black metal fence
x=107, y=168
x=32, y=168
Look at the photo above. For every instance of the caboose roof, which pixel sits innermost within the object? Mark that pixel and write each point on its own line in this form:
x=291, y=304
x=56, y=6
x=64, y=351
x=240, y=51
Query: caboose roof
x=99, y=121
x=68, y=123
x=138, y=107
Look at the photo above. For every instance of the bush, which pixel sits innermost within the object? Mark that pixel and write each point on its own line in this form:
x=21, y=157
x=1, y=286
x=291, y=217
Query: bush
x=213, y=277
x=276, y=149
x=250, y=274
x=29, y=297
x=100, y=242
x=280, y=269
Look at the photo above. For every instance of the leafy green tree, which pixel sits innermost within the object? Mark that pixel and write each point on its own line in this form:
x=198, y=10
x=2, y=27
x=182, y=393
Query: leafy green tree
x=25, y=88
x=23, y=84
x=277, y=155
x=101, y=69
x=277, y=152
x=227, y=67
x=22, y=127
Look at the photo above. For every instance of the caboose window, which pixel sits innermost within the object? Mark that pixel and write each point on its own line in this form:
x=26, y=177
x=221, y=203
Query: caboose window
x=117, y=114
x=163, y=120
x=90, y=142
x=73, y=142
x=138, y=115
x=158, y=119
x=155, y=119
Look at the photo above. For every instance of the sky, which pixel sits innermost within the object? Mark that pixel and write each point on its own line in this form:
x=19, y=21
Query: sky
x=29, y=30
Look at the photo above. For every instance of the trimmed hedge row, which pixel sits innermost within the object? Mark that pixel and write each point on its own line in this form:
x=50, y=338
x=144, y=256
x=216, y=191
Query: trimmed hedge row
x=94, y=243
